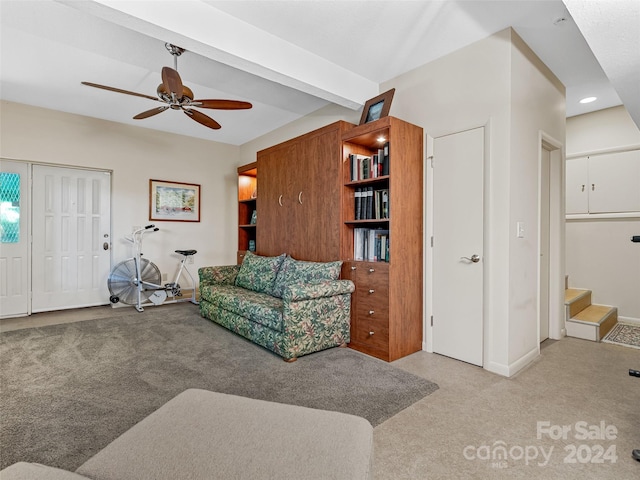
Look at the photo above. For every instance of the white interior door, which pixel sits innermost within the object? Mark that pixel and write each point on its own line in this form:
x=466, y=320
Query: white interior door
x=14, y=238
x=71, y=238
x=458, y=186
x=545, y=183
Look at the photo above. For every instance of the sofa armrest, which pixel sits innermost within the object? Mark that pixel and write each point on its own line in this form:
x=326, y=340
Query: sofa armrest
x=220, y=275
x=310, y=291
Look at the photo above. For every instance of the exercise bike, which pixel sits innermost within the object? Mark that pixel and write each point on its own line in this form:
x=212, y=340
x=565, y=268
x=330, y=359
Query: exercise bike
x=137, y=281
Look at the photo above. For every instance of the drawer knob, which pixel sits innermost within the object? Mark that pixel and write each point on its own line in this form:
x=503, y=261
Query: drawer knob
x=371, y=290
x=371, y=312
x=371, y=270
x=353, y=268
x=371, y=333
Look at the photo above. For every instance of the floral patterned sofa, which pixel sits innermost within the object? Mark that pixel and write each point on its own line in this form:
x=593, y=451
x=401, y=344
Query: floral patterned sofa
x=289, y=306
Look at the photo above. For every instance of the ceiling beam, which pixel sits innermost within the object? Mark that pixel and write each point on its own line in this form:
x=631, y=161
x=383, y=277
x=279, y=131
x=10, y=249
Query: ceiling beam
x=202, y=29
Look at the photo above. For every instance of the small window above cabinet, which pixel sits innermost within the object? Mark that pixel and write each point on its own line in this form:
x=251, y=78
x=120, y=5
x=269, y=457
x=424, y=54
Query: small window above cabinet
x=247, y=208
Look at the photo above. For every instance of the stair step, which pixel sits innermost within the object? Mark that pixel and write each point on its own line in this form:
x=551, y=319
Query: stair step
x=593, y=322
x=577, y=299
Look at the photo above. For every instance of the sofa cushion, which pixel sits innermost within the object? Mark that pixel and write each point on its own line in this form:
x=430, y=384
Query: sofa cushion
x=35, y=471
x=259, y=273
x=298, y=271
x=257, y=307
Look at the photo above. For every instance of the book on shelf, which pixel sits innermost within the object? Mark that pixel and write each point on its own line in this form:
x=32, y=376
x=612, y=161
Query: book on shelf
x=364, y=167
x=385, y=159
x=371, y=244
x=370, y=204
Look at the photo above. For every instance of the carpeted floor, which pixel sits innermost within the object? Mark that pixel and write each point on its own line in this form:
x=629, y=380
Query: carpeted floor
x=68, y=390
x=624, y=334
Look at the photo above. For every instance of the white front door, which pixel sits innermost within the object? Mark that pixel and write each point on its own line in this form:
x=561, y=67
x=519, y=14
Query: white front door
x=14, y=238
x=71, y=238
x=457, y=298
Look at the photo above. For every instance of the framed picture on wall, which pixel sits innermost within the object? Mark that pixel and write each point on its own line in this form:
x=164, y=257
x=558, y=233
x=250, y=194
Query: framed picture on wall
x=174, y=201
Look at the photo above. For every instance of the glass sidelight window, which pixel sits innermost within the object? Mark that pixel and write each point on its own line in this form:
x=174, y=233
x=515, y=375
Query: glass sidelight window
x=9, y=207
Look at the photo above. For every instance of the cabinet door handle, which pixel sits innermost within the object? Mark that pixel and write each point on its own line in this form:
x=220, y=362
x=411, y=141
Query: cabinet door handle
x=371, y=333
x=280, y=200
x=371, y=290
x=593, y=187
x=583, y=188
x=353, y=268
x=371, y=270
x=371, y=312
x=300, y=198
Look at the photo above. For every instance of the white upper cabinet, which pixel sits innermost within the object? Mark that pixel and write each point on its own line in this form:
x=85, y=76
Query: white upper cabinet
x=607, y=183
x=577, y=185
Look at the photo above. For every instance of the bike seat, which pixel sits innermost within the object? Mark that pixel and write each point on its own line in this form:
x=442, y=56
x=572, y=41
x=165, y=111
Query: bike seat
x=186, y=253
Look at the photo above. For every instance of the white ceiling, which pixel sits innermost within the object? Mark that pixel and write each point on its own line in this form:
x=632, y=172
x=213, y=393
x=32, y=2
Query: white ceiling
x=290, y=58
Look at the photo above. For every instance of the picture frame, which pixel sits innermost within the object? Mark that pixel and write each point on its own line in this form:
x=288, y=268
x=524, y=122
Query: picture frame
x=377, y=107
x=174, y=201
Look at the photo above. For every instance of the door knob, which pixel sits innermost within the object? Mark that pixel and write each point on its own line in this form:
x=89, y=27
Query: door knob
x=473, y=259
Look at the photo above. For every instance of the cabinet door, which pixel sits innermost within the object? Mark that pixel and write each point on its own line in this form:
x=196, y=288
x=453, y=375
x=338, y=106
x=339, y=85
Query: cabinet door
x=614, y=182
x=577, y=186
x=315, y=236
x=275, y=202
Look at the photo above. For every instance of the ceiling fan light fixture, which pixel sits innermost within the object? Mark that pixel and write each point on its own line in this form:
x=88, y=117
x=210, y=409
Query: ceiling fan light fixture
x=163, y=93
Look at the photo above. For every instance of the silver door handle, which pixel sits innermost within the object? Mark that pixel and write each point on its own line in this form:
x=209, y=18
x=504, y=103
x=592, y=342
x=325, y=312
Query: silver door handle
x=473, y=259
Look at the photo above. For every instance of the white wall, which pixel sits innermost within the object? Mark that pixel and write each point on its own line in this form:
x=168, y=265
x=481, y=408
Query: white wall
x=135, y=155
x=313, y=121
x=600, y=256
x=496, y=82
x=500, y=83
x=537, y=105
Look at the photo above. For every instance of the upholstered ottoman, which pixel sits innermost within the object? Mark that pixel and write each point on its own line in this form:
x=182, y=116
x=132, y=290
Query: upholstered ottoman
x=207, y=435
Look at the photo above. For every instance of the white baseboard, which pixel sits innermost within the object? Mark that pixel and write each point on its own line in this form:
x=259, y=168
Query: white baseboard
x=514, y=367
x=635, y=321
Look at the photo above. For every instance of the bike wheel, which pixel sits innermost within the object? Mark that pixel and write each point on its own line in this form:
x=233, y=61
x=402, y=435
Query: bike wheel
x=122, y=280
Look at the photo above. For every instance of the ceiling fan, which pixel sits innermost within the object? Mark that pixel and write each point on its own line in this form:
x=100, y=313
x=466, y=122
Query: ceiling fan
x=177, y=96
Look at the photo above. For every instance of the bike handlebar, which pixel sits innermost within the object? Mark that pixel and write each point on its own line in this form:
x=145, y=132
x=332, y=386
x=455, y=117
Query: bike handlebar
x=136, y=236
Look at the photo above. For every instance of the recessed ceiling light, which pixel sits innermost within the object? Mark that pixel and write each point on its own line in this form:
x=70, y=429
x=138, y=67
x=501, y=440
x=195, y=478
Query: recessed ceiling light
x=588, y=99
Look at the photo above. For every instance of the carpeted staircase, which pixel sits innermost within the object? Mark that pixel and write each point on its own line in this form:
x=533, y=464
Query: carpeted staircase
x=585, y=320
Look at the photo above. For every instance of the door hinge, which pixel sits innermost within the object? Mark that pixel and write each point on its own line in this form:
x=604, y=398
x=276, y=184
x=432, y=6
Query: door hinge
x=432, y=320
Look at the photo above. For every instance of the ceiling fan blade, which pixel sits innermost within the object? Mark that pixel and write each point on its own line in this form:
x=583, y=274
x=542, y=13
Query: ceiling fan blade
x=202, y=118
x=222, y=104
x=150, y=113
x=118, y=90
x=172, y=81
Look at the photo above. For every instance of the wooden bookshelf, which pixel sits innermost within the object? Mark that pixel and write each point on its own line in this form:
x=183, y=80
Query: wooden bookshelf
x=387, y=306
x=247, y=204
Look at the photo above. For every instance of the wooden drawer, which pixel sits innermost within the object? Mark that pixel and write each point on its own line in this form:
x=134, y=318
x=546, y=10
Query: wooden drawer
x=372, y=306
x=372, y=273
x=373, y=286
x=372, y=332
